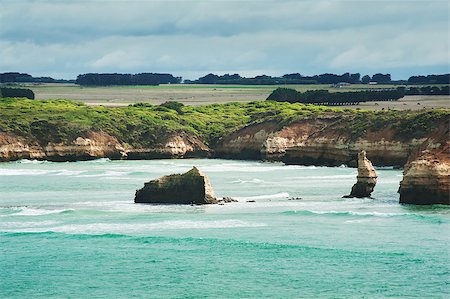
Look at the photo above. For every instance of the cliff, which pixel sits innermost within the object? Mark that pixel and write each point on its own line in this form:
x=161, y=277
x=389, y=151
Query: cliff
x=62, y=130
x=94, y=145
x=426, y=178
x=329, y=140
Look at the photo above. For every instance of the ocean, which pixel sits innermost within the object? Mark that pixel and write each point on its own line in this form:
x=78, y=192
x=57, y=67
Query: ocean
x=72, y=230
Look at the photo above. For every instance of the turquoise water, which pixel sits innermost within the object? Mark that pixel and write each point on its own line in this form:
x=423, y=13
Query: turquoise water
x=71, y=230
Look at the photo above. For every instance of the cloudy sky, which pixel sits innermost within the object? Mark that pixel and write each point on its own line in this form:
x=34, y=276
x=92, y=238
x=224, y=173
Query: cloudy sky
x=192, y=38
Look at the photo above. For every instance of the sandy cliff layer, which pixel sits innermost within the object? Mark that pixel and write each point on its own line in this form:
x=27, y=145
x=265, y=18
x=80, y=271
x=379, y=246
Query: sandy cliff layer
x=426, y=178
x=94, y=145
x=324, y=141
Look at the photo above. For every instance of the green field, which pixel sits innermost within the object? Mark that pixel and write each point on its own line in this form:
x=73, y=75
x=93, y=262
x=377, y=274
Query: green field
x=197, y=94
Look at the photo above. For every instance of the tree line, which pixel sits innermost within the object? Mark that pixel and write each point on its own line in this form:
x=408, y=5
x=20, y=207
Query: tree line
x=327, y=78
x=14, y=77
x=157, y=78
x=426, y=90
x=323, y=97
x=430, y=79
x=95, y=79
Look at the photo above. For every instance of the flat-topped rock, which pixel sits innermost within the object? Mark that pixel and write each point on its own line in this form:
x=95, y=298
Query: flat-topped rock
x=192, y=187
x=366, y=179
x=426, y=180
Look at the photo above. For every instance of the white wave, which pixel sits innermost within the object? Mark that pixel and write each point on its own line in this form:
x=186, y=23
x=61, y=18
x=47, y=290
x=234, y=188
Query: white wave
x=266, y=196
x=11, y=172
x=353, y=213
x=130, y=228
x=27, y=224
x=252, y=181
x=320, y=177
x=67, y=172
x=251, y=167
x=26, y=161
x=28, y=211
x=101, y=160
x=131, y=207
x=109, y=173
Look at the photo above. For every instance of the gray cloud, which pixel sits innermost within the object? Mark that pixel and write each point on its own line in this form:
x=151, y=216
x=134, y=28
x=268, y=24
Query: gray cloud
x=192, y=38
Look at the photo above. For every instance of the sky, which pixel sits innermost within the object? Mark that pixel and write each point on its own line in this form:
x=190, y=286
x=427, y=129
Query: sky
x=65, y=38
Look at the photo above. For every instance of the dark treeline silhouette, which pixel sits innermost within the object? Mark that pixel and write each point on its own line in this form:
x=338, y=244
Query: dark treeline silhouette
x=426, y=90
x=6, y=92
x=13, y=77
x=295, y=78
x=285, y=79
x=430, y=79
x=323, y=97
x=94, y=79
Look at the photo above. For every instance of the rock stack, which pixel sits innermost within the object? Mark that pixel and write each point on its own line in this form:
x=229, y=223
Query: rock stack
x=192, y=187
x=366, y=179
x=426, y=180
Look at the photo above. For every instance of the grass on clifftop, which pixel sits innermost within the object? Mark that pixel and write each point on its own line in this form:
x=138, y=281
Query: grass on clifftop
x=144, y=124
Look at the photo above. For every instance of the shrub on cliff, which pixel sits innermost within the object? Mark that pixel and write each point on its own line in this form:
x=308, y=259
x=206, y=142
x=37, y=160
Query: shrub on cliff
x=177, y=106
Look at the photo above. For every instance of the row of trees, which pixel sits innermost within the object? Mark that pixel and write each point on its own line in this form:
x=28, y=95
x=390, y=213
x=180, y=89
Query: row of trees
x=430, y=79
x=297, y=78
x=323, y=97
x=13, y=77
x=6, y=92
x=94, y=79
x=426, y=90
x=285, y=79
x=157, y=78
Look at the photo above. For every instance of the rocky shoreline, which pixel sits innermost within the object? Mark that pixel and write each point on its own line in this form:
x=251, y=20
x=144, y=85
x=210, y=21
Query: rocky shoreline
x=315, y=141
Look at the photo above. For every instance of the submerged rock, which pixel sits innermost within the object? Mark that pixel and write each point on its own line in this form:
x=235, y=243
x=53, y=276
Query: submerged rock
x=192, y=187
x=426, y=180
x=227, y=200
x=366, y=179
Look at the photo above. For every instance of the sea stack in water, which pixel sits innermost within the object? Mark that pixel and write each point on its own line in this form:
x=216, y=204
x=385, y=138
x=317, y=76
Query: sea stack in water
x=192, y=187
x=366, y=179
x=426, y=180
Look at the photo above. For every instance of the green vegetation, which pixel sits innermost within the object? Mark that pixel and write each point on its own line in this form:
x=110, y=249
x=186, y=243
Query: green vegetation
x=16, y=93
x=323, y=97
x=144, y=124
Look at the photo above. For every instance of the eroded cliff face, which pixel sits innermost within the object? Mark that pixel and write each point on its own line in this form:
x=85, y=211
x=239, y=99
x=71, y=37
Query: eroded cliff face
x=175, y=146
x=90, y=146
x=324, y=141
x=93, y=145
x=426, y=179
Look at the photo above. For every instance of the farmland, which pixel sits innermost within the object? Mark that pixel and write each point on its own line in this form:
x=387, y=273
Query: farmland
x=207, y=94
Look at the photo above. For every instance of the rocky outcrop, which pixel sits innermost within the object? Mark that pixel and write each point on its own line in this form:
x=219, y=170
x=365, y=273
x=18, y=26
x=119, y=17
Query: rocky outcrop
x=426, y=180
x=366, y=179
x=192, y=187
